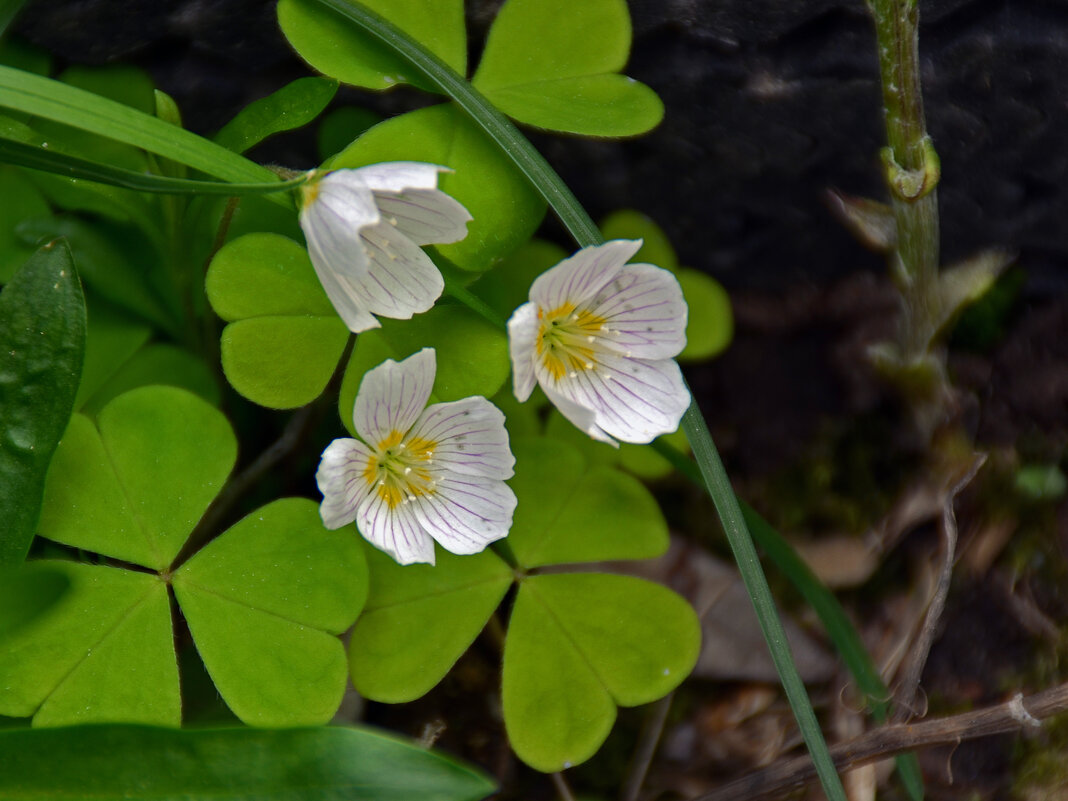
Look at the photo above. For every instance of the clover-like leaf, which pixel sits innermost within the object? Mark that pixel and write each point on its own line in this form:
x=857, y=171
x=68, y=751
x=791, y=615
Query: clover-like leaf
x=103, y=652
x=472, y=354
x=419, y=620
x=569, y=512
x=578, y=645
x=346, y=53
x=505, y=208
x=264, y=602
x=284, y=339
x=553, y=64
x=135, y=488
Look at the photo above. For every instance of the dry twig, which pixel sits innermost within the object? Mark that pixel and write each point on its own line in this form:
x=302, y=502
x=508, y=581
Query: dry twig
x=1017, y=714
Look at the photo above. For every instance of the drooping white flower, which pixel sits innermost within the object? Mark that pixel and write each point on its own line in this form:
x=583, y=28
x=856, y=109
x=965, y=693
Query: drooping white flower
x=364, y=229
x=420, y=473
x=600, y=336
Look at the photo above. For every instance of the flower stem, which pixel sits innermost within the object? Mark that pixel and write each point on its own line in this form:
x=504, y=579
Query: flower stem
x=560, y=198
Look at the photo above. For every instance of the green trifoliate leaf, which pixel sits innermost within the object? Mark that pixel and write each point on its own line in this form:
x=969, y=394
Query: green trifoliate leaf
x=472, y=354
x=293, y=106
x=138, y=763
x=578, y=645
x=26, y=591
x=553, y=64
x=134, y=488
x=419, y=619
x=569, y=512
x=264, y=602
x=42, y=345
x=340, y=50
x=103, y=652
x=505, y=208
x=284, y=339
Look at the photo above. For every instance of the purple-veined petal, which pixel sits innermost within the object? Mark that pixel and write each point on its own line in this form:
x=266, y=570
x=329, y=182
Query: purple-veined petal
x=633, y=400
x=581, y=276
x=585, y=420
x=466, y=513
x=644, y=313
x=342, y=481
x=394, y=530
x=401, y=280
x=470, y=438
x=393, y=395
x=348, y=300
x=425, y=216
x=522, y=335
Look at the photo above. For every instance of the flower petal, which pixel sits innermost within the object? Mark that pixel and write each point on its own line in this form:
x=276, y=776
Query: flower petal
x=585, y=420
x=401, y=280
x=644, y=312
x=407, y=195
x=633, y=400
x=338, y=207
x=471, y=438
x=522, y=335
x=579, y=278
x=393, y=395
x=395, y=531
x=427, y=217
x=341, y=481
x=396, y=176
x=466, y=513
x=349, y=300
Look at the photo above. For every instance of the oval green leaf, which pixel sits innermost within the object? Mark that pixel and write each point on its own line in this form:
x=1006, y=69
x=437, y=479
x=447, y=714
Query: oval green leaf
x=336, y=48
x=505, y=208
x=552, y=64
x=568, y=512
x=264, y=603
x=284, y=339
x=135, y=488
x=42, y=344
x=419, y=620
x=293, y=106
x=580, y=643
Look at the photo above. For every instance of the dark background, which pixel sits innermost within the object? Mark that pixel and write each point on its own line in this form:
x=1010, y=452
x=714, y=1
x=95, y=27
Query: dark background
x=769, y=103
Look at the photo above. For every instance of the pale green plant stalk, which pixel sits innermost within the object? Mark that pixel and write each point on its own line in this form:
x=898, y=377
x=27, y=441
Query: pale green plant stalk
x=563, y=202
x=912, y=174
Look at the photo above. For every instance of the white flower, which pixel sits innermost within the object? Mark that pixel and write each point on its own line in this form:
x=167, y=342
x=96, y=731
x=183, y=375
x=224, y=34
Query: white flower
x=364, y=229
x=600, y=335
x=420, y=474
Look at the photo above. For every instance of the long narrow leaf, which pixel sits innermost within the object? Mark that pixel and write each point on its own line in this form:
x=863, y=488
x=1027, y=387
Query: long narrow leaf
x=140, y=763
x=53, y=100
x=37, y=158
x=585, y=232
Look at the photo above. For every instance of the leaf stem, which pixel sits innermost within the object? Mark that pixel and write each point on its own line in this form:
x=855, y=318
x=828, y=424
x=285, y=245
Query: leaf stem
x=560, y=198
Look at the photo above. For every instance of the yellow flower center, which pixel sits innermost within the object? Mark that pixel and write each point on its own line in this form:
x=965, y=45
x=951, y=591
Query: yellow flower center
x=566, y=340
x=400, y=470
